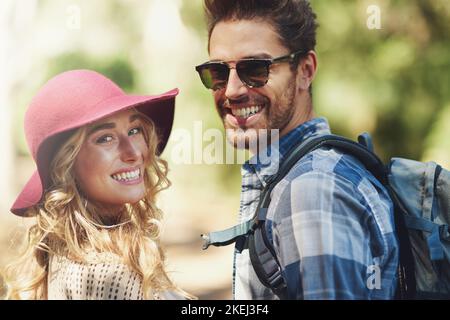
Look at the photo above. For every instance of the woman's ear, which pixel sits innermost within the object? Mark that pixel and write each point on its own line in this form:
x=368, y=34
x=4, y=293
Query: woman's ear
x=306, y=71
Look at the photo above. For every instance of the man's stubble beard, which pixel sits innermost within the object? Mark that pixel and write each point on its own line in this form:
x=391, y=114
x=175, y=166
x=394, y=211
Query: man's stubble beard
x=277, y=117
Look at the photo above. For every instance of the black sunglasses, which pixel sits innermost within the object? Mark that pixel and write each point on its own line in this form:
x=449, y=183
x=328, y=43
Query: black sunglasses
x=254, y=73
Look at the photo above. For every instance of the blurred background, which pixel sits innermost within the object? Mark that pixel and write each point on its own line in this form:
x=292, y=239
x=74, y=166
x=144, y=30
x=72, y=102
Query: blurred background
x=388, y=76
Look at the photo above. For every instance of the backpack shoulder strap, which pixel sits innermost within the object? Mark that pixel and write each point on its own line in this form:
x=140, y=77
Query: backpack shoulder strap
x=262, y=253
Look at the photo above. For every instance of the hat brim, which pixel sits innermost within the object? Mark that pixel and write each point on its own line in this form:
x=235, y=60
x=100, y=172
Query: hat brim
x=31, y=194
x=159, y=108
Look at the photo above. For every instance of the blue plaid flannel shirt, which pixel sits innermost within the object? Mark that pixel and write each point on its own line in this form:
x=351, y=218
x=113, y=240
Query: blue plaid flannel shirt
x=331, y=224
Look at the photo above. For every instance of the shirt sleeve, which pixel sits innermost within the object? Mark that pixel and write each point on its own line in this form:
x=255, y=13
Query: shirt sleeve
x=327, y=238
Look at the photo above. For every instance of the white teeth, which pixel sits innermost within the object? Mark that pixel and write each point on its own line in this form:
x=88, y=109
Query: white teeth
x=127, y=176
x=246, y=112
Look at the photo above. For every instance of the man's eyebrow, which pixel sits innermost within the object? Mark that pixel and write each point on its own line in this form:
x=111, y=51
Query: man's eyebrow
x=253, y=56
x=111, y=125
x=258, y=56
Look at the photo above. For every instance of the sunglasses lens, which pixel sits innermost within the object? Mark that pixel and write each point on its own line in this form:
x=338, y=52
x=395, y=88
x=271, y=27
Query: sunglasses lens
x=254, y=73
x=213, y=75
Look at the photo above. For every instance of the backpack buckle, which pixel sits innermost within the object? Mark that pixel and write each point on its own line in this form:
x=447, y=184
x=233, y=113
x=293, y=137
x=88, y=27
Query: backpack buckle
x=276, y=279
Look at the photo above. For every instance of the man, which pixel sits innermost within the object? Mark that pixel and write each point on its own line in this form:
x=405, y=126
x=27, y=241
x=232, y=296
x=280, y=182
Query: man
x=330, y=221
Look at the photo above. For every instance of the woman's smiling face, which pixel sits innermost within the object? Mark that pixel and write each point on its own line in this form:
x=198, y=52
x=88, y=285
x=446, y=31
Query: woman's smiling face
x=110, y=166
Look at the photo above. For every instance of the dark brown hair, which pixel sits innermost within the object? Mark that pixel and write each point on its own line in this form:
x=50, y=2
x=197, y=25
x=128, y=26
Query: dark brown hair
x=294, y=20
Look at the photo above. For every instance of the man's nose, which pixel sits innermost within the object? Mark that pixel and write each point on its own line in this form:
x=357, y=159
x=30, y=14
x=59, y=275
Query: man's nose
x=129, y=150
x=235, y=87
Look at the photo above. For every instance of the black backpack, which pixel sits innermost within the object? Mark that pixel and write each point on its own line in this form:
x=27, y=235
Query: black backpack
x=420, y=193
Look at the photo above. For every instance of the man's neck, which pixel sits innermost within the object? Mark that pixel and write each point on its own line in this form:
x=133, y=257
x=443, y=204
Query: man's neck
x=303, y=112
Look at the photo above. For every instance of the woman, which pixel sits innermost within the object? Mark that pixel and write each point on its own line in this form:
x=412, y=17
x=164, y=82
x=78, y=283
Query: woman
x=93, y=195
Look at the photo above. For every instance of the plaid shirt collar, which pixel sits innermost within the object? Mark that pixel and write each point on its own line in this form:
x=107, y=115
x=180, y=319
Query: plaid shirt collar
x=276, y=152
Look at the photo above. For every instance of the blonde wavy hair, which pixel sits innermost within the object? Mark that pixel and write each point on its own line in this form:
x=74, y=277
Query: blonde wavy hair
x=68, y=225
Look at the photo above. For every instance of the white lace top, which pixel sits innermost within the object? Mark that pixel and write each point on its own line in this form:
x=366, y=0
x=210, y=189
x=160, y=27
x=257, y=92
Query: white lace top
x=106, y=280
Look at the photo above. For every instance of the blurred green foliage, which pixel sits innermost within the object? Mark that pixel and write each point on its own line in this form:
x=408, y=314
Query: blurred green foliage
x=393, y=82
x=117, y=69
x=192, y=16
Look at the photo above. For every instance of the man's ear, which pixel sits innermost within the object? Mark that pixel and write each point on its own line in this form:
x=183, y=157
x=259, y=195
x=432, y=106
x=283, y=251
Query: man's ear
x=306, y=70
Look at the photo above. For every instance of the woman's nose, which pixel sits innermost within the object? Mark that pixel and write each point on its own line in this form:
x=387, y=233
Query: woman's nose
x=129, y=150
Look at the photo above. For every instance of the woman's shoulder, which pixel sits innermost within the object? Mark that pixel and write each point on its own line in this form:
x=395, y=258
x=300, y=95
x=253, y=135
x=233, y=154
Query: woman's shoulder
x=102, y=276
x=99, y=278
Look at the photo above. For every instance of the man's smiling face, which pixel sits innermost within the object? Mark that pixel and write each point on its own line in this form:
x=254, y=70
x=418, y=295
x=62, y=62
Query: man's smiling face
x=251, y=109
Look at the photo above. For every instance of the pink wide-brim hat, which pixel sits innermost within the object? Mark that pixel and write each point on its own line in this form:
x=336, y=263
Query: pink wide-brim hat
x=69, y=101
